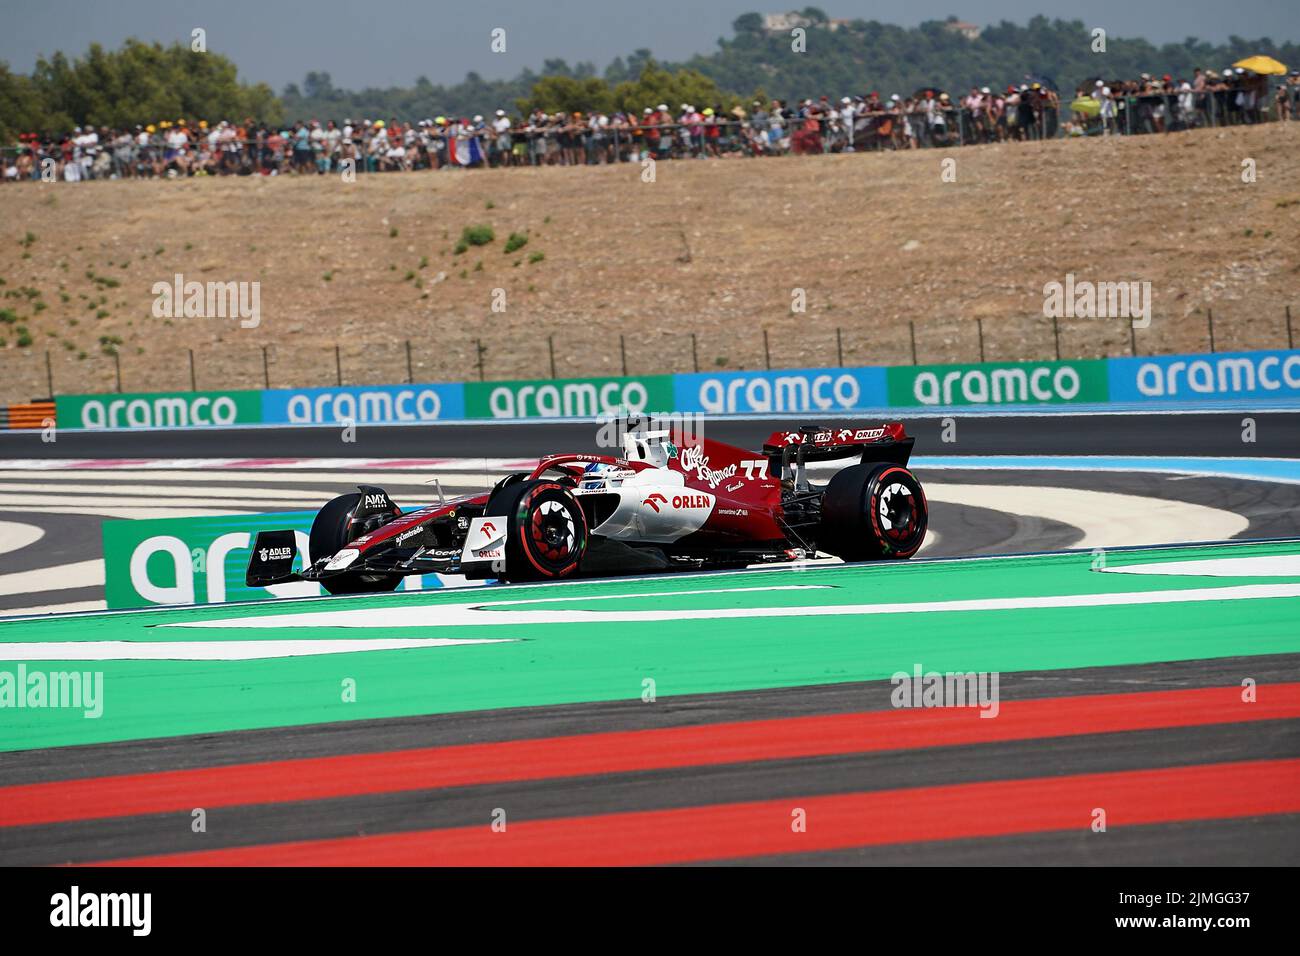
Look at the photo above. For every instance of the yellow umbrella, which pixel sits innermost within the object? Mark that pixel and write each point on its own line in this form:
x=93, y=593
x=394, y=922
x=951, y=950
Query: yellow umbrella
x=1086, y=105
x=1265, y=65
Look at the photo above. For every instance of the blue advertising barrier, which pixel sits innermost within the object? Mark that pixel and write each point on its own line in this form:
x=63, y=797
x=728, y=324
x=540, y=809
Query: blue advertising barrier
x=826, y=390
x=373, y=404
x=1225, y=376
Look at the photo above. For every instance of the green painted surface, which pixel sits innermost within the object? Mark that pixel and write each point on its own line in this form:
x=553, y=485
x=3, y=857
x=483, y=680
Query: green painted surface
x=999, y=383
x=549, y=663
x=158, y=409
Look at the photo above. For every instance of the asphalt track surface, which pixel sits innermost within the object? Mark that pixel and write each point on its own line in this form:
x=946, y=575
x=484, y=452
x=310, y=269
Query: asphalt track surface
x=1216, y=791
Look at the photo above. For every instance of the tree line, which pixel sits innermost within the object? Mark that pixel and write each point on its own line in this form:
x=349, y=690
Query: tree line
x=145, y=82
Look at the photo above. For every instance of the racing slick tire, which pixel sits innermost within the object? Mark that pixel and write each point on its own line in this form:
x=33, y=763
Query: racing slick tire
x=872, y=511
x=330, y=534
x=546, y=530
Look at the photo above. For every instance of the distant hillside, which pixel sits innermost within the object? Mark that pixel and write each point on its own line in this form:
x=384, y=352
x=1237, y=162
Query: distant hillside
x=842, y=57
x=709, y=256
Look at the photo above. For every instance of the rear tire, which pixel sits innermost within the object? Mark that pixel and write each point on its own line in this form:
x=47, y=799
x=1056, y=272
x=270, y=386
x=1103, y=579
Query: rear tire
x=330, y=533
x=546, y=530
x=873, y=511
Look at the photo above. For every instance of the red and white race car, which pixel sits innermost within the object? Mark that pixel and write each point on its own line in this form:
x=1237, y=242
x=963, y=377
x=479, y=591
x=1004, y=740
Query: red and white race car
x=669, y=502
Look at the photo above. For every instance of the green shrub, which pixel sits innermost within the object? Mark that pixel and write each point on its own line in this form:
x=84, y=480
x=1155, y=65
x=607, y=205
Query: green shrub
x=477, y=235
x=517, y=240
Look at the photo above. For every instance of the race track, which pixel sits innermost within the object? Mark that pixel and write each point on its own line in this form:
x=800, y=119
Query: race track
x=769, y=700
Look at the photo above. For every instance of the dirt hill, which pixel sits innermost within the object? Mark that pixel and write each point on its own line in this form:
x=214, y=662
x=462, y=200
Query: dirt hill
x=717, y=248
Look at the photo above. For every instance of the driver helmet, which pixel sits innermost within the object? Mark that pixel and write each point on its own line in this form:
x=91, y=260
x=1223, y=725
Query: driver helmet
x=592, y=475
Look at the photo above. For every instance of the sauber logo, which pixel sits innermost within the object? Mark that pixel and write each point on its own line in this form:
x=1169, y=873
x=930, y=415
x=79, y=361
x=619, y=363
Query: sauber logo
x=489, y=529
x=274, y=554
x=654, y=501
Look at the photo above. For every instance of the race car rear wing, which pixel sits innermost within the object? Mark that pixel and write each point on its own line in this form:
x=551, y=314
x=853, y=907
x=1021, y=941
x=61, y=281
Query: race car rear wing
x=810, y=443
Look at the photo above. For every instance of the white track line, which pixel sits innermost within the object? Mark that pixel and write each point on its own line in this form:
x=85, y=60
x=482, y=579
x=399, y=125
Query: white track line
x=482, y=613
x=1107, y=519
x=15, y=536
x=217, y=650
x=79, y=574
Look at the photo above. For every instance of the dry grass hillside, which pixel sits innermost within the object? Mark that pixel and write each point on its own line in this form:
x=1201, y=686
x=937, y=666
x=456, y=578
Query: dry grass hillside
x=715, y=248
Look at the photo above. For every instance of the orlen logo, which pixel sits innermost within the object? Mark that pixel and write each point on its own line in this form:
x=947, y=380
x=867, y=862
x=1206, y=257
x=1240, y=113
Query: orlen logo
x=274, y=554
x=691, y=501
x=654, y=501
x=489, y=529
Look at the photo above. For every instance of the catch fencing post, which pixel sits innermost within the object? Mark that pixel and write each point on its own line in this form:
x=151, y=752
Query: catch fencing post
x=338, y=364
x=767, y=356
x=1132, y=340
x=979, y=325
x=117, y=363
x=622, y=352
x=480, y=350
x=911, y=326
x=1209, y=319
x=194, y=383
x=550, y=345
x=695, y=354
x=1290, y=342
x=1056, y=335
x=49, y=373
x=410, y=369
x=266, y=369
x=839, y=346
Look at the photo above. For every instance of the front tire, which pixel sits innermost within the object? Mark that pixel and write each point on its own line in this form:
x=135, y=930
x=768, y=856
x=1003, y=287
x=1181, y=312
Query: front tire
x=330, y=533
x=874, y=511
x=546, y=530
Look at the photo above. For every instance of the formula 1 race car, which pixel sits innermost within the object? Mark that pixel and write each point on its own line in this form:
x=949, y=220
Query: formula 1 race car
x=661, y=506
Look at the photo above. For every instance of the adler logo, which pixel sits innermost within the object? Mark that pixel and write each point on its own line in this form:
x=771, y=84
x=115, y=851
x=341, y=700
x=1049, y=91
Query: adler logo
x=274, y=554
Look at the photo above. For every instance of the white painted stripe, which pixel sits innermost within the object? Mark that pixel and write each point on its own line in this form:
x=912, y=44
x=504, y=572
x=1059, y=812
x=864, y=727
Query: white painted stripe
x=216, y=650
x=56, y=479
x=1264, y=566
x=1108, y=519
x=150, y=511
x=80, y=574
x=236, y=464
x=71, y=607
x=15, y=536
x=288, y=501
x=483, y=614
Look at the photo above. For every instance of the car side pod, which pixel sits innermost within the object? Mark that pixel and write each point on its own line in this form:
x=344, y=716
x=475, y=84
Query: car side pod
x=272, y=559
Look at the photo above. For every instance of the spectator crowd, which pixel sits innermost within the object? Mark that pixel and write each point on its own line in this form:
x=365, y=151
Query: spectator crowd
x=1030, y=110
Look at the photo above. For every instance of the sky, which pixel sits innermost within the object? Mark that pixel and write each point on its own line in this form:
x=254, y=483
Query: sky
x=391, y=42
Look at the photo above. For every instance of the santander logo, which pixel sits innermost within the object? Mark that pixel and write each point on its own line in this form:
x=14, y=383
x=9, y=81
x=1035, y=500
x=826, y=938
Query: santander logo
x=654, y=501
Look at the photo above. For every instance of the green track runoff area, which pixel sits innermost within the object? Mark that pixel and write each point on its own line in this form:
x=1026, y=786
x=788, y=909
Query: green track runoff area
x=202, y=670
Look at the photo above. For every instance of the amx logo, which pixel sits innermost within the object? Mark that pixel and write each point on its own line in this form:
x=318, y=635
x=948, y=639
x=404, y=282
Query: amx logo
x=654, y=501
x=376, y=501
